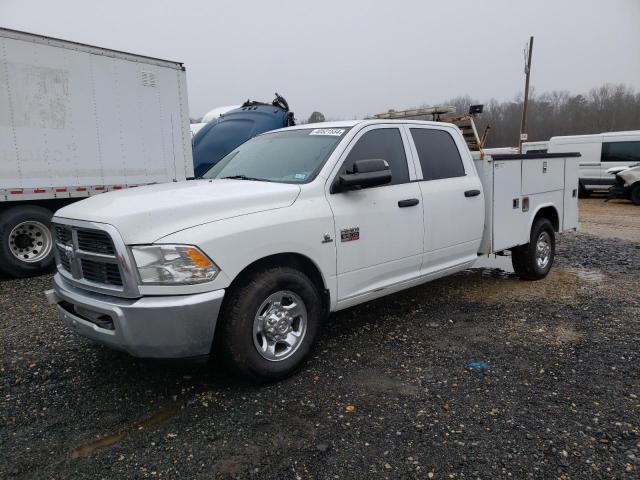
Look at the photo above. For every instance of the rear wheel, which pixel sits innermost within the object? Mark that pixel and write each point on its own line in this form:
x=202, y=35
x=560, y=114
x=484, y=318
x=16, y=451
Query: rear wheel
x=533, y=260
x=269, y=323
x=634, y=194
x=26, y=243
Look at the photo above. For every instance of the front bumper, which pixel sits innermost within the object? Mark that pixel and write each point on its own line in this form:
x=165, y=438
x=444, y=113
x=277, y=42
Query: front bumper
x=179, y=326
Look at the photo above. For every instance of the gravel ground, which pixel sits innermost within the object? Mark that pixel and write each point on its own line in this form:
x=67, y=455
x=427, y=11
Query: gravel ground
x=388, y=392
x=615, y=218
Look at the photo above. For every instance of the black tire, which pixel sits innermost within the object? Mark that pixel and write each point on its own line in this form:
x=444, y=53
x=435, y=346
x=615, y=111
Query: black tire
x=234, y=335
x=523, y=258
x=583, y=192
x=634, y=194
x=11, y=218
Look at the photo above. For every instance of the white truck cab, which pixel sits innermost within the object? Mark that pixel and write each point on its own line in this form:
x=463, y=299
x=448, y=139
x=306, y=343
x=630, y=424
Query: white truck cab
x=292, y=225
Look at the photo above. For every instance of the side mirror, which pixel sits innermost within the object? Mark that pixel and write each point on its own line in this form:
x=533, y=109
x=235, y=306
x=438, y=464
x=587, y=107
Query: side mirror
x=366, y=173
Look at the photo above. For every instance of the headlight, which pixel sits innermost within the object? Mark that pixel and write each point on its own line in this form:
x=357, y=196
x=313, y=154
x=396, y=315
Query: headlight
x=173, y=264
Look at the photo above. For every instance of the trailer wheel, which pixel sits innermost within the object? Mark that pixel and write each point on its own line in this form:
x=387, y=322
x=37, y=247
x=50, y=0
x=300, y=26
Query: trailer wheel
x=269, y=323
x=533, y=260
x=634, y=194
x=26, y=243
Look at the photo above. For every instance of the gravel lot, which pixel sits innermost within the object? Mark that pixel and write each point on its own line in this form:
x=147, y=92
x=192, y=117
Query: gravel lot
x=388, y=392
x=616, y=218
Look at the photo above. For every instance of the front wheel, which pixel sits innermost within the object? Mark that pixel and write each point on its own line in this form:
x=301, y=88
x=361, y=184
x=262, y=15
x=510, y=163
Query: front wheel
x=269, y=323
x=533, y=260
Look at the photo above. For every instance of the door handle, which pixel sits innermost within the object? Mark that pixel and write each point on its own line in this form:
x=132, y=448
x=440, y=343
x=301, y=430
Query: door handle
x=409, y=202
x=472, y=193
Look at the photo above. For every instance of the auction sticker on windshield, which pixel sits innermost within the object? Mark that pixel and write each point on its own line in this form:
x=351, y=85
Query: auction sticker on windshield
x=333, y=132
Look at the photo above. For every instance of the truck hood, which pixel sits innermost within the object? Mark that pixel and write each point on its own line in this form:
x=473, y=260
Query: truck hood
x=145, y=214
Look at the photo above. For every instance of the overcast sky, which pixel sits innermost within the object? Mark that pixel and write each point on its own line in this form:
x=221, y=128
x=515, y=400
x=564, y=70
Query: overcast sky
x=349, y=58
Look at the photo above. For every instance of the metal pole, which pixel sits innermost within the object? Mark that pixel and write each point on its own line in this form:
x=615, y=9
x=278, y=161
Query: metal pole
x=527, y=71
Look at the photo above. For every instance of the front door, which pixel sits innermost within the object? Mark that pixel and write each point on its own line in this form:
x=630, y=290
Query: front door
x=378, y=230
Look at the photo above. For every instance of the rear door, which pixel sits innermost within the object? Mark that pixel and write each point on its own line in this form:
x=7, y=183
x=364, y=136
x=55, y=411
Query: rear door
x=452, y=197
x=378, y=230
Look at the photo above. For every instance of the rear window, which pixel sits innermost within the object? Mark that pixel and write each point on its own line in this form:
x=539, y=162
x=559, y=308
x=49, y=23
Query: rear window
x=621, y=152
x=438, y=154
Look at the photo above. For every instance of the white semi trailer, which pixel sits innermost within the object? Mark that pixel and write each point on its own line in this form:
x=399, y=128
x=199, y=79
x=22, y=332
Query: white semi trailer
x=75, y=121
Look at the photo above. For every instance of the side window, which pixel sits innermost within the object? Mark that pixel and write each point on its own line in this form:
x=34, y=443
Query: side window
x=438, y=154
x=384, y=143
x=620, y=152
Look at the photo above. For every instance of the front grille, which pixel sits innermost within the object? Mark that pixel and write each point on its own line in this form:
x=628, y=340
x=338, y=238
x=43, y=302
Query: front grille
x=89, y=257
x=95, y=241
x=99, y=272
x=63, y=234
x=64, y=261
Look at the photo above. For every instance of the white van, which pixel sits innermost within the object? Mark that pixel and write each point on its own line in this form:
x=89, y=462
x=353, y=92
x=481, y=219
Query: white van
x=599, y=153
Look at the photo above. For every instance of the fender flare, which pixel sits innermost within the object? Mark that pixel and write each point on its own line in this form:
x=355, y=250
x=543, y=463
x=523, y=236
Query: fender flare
x=537, y=211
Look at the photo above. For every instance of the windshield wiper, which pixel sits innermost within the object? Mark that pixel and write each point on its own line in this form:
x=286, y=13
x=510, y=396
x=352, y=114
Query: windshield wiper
x=241, y=177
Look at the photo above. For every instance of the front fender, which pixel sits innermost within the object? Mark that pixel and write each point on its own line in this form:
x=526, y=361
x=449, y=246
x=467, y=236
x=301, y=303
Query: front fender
x=235, y=243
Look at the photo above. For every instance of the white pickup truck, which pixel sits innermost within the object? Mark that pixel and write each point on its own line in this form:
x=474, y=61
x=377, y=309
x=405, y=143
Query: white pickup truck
x=292, y=225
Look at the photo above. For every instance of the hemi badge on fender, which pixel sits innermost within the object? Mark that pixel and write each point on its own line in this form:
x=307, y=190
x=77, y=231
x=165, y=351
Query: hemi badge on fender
x=350, y=234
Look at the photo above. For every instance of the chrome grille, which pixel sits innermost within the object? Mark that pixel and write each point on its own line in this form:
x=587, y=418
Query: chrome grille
x=62, y=234
x=95, y=241
x=99, y=272
x=93, y=256
x=64, y=261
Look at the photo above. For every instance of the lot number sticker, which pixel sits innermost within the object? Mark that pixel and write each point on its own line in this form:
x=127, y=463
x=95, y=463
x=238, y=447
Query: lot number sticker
x=332, y=132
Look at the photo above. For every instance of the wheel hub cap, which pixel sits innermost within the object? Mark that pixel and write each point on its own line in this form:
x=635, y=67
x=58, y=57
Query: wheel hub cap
x=279, y=325
x=23, y=241
x=543, y=250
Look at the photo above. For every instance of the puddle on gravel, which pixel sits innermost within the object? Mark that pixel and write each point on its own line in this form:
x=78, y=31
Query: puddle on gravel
x=374, y=382
x=501, y=267
x=493, y=266
x=588, y=275
x=494, y=262
x=491, y=280
x=111, y=439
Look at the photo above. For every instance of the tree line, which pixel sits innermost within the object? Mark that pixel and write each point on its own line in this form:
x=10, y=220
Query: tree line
x=608, y=108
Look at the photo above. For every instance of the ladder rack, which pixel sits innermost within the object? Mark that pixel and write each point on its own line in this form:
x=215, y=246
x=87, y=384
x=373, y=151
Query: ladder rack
x=465, y=123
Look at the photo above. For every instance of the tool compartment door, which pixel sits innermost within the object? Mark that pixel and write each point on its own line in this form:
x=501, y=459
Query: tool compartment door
x=509, y=222
x=542, y=175
x=570, y=210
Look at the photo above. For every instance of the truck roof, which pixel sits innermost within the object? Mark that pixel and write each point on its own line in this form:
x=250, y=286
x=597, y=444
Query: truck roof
x=353, y=123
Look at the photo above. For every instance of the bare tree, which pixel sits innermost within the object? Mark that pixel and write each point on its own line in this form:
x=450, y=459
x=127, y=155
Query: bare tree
x=316, y=117
x=603, y=109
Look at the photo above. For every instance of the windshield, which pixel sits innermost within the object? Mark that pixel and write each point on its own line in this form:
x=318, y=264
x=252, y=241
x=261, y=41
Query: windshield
x=288, y=156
